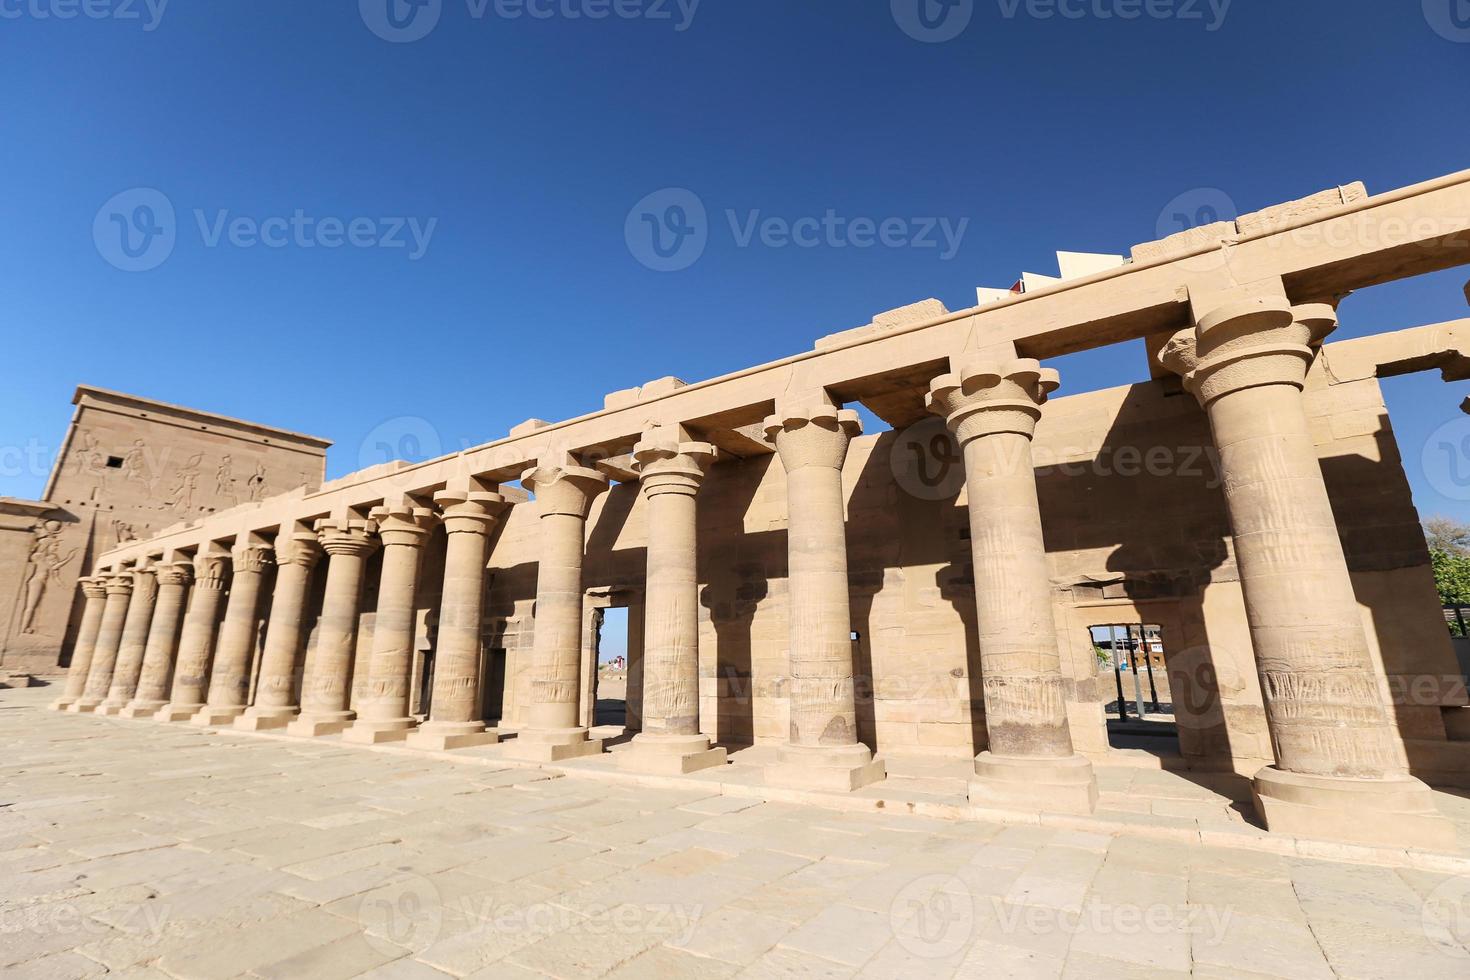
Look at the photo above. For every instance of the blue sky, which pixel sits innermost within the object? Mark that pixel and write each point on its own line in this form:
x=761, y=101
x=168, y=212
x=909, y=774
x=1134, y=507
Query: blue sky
x=477, y=183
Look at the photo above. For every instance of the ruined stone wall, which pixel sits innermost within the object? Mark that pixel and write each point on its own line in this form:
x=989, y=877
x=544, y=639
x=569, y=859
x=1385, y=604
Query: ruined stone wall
x=1136, y=531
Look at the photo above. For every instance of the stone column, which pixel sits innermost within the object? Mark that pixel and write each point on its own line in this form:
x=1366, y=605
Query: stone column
x=811, y=437
x=196, y=645
x=328, y=682
x=1340, y=769
x=95, y=590
x=163, y=640
x=119, y=588
x=229, y=680
x=382, y=716
x=992, y=407
x=564, y=494
x=670, y=474
x=275, y=693
x=456, y=715
x=133, y=645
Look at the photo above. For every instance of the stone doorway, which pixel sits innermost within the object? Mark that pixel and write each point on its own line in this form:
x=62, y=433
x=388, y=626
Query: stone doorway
x=1140, y=715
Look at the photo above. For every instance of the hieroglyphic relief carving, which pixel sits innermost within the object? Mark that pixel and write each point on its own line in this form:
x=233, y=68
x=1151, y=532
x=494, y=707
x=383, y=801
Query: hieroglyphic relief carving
x=43, y=568
x=256, y=485
x=224, y=481
x=180, y=497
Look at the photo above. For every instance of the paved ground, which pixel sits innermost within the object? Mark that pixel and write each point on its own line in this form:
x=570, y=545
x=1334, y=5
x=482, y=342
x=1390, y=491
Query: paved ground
x=150, y=850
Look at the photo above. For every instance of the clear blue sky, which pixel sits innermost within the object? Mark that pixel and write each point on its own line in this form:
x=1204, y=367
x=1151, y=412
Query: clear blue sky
x=528, y=141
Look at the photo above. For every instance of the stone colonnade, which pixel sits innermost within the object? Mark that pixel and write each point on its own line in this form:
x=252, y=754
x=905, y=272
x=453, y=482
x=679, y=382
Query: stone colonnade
x=1338, y=769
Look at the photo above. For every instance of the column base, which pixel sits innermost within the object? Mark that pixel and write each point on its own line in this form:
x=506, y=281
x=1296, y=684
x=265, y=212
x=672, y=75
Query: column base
x=61, y=704
x=552, y=745
x=109, y=708
x=669, y=755
x=177, y=712
x=265, y=719
x=317, y=724
x=838, y=768
x=140, y=709
x=366, y=732
x=442, y=736
x=1393, y=812
x=83, y=707
x=1034, y=785
x=211, y=716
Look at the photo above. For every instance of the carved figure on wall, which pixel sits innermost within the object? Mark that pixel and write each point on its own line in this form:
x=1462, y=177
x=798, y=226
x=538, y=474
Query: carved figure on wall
x=86, y=453
x=180, y=497
x=43, y=568
x=135, y=463
x=224, y=480
x=256, y=484
x=124, y=532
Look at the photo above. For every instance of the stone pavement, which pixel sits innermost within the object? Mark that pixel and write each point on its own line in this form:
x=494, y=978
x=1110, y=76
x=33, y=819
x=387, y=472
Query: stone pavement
x=152, y=850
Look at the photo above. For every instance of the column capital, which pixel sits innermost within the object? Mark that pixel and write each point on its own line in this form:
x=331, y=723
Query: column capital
x=251, y=559
x=667, y=465
x=120, y=583
x=812, y=432
x=564, y=489
x=346, y=537
x=209, y=572
x=174, y=573
x=470, y=511
x=302, y=548
x=982, y=397
x=1245, y=344
x=93, y=587
x=403, y=524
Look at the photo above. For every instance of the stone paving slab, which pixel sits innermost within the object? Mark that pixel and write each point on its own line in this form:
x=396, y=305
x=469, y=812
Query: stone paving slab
x=134, y=848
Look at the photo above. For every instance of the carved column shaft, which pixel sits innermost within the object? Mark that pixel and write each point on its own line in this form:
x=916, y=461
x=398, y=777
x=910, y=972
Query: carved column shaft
x=327, y=683
x=229, y=681
x=992, y=406
x=196, y=644
x=109, y=638
x=275, y=694
x=81, y=654
x=163, y=635
x=133, y=645
x=383, y=713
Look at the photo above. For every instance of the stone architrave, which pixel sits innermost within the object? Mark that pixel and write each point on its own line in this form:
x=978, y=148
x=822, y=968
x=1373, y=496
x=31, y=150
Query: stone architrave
x=95, y=591
x=275, y=694
x=327, y=681
x=1340, y=770
x=196, y=643
x=822, y=752
x=163, y=639
x=992, y=407
x=119, y=588
x=671, y=471
x=229, y=679
x=564, y=494
x=456, y=714
x=134, y=644
x=382, y=716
